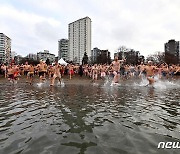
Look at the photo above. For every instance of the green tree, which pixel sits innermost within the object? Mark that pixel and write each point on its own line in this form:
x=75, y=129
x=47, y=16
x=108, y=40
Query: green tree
x=85, y=59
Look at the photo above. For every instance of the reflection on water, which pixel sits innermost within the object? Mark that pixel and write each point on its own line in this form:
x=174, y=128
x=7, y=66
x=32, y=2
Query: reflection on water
x=90, y=118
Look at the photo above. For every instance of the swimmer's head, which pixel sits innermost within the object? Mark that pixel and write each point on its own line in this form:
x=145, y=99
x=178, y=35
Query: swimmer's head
x=42, y=61
x=116, y=58
x=149, y=62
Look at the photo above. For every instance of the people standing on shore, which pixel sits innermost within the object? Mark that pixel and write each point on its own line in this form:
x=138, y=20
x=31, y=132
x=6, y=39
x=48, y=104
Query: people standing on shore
x=117, y=69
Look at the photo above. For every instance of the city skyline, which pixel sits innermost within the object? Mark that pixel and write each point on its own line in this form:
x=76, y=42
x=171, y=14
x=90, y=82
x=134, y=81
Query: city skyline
x=37, y=25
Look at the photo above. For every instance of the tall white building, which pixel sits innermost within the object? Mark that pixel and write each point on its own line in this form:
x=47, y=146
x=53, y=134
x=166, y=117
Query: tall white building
x=79, y=34
x=5, y=48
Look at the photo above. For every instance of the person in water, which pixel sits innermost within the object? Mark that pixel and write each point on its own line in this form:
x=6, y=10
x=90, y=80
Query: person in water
x=31, y=73
x=56, y=74
x=116, y=64
x=42, y=68
x=10, y=73
x=150, y=72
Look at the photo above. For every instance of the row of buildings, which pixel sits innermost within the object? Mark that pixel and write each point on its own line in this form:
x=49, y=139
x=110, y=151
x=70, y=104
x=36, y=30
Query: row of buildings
x=131, y=56
x=72, y=49
x=6, y=55
x=78, y=44
x=171, y=54
x=42, y=55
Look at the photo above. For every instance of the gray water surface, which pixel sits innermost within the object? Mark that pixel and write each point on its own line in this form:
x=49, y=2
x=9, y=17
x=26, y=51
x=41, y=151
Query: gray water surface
x=89, y=118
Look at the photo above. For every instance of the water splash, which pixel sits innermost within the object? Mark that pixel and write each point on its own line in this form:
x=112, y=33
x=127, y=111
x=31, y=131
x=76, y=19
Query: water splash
x=62, y=83
x=95, y=84
x=115, y=84
x=144, y=82
x=107, y=81
x=39, y=84
x=159, y=84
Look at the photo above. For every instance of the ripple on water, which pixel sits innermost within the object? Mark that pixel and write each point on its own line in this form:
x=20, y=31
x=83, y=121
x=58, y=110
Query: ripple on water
x=124, y=119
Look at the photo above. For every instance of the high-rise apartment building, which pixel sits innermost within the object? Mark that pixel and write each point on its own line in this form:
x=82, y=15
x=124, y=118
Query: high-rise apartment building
x=79, y=34
x=172, y=52
x=63, y=49
x=5, y=48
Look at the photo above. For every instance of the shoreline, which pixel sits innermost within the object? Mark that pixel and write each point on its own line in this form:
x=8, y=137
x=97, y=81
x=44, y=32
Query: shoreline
x=75, y=80
x=84, y=80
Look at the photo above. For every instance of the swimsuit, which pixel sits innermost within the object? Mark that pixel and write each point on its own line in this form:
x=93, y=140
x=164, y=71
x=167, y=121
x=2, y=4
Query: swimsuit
x=42, y=73
x=26, y=72
x=31, y=74
x=11, y=76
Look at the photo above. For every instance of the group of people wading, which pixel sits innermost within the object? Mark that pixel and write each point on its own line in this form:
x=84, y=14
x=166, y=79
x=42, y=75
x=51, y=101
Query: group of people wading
x=117, y=69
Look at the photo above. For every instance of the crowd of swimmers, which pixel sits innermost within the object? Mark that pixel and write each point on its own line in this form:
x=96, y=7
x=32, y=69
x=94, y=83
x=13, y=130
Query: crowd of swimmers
x=118, y=70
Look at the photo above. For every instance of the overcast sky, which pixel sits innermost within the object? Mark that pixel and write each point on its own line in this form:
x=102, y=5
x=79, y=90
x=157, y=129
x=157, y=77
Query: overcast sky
x=143, y=25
